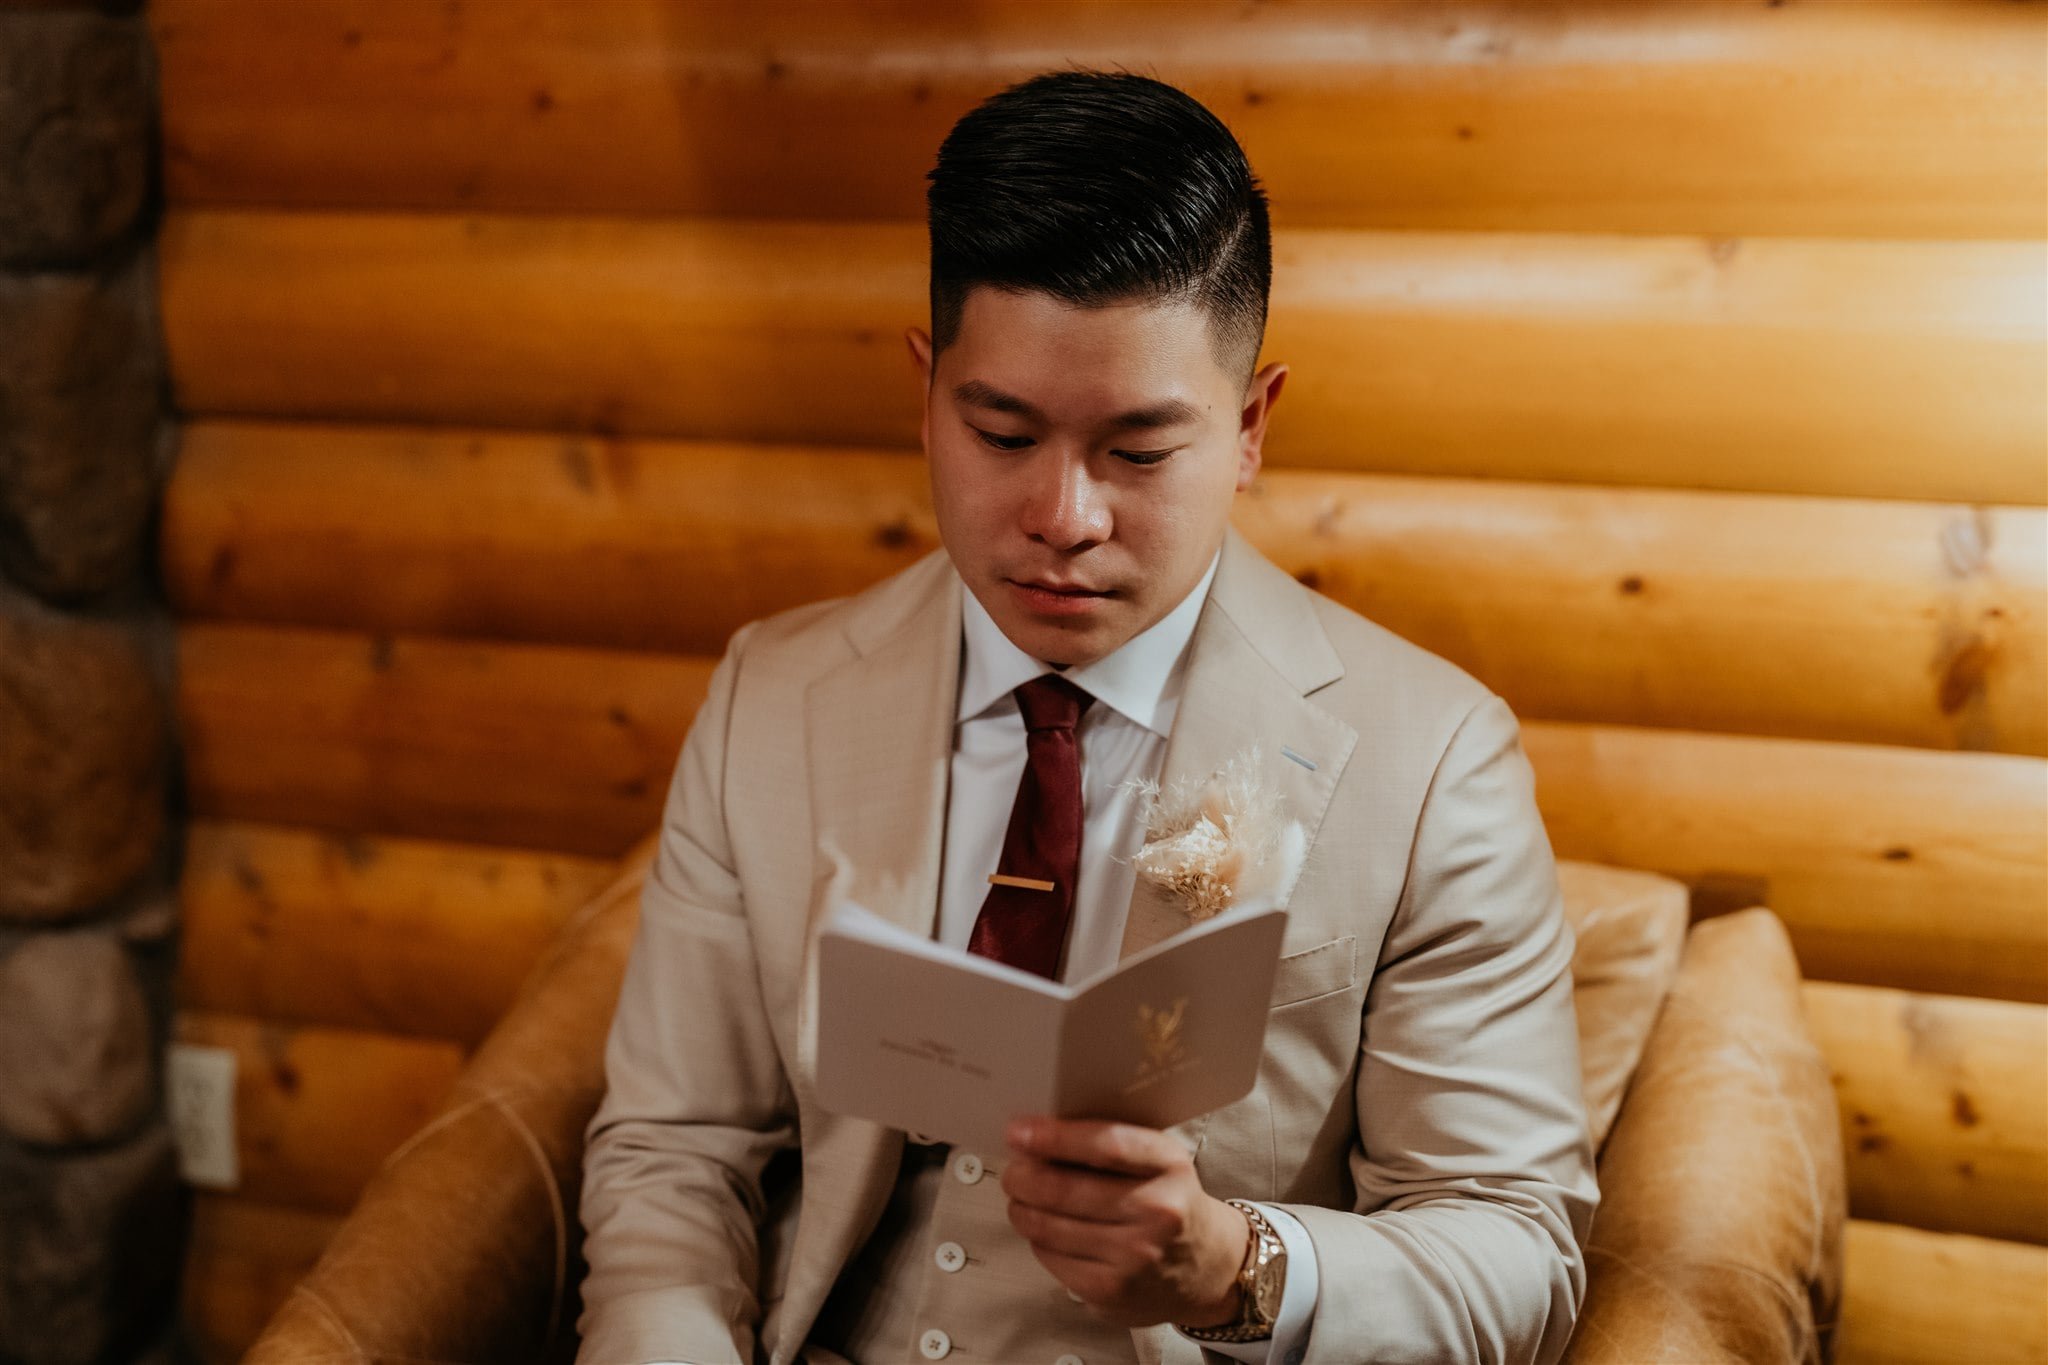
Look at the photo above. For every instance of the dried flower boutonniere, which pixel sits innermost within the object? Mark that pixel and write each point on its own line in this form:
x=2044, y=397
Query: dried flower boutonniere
x=1219, y=842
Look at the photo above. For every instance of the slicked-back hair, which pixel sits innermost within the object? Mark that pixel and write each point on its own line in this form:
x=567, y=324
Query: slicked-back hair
x=1101, y=187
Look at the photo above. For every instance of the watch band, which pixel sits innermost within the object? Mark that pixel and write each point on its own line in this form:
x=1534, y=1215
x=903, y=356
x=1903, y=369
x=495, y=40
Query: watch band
x=1251, y=1323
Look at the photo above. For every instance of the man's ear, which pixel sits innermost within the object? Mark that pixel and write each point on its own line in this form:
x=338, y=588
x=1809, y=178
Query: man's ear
x=1260, y=396
x=920, y=343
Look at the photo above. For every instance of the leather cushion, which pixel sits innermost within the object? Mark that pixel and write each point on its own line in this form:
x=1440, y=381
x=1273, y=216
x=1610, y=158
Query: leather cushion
x=1631, y=930
x=1719, y=1232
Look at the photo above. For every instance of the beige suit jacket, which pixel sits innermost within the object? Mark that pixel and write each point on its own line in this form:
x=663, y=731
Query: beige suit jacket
x=1418, y=1107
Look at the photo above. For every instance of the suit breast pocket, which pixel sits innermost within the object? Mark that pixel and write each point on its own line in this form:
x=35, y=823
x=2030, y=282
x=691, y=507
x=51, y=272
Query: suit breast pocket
x=1316, y=972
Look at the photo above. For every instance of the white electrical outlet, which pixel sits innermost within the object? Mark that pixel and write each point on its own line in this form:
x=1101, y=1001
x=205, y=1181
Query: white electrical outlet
x=199, y=1086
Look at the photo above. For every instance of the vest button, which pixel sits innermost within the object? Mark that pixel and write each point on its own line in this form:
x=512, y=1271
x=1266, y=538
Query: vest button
x=934, y=1345
x=1069, y=1360
x=950, y=1256
x=967, y=1167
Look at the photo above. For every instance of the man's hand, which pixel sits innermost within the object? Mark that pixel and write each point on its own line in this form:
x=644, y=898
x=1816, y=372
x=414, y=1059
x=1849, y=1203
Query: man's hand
x=1119, y=1217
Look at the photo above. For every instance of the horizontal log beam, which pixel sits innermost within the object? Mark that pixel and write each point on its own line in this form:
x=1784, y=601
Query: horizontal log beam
x=1944, y=1105
x=367, y=932
x=242, y=1261
x=318, y=1110
x=530, y=746
x=1909, y=118
x=1866, y=621
x=1754, y=614
x=1881, y=369
x=625, y=544
x=1889, y=866
x=1911, y=1297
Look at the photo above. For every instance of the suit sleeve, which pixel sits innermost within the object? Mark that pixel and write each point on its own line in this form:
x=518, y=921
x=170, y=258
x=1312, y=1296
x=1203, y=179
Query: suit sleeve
x=1473, y=1167
x=696, y=1101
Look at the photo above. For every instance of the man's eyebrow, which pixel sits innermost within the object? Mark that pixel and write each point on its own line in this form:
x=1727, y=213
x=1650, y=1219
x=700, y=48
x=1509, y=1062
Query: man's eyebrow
x=976, y=394
x=1165, y=413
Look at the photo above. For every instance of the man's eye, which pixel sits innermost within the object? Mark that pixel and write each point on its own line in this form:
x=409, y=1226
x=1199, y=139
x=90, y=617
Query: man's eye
x=1142, y=457
x=989, y=438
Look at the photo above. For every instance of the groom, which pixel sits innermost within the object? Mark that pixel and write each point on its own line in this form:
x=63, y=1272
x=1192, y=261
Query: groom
x=1411, y=1178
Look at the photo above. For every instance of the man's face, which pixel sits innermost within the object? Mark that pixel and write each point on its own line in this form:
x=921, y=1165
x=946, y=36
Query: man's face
x=1083, y=462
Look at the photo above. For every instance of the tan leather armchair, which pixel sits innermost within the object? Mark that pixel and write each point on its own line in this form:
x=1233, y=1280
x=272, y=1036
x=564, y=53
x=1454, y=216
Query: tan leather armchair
x=1718, y=1237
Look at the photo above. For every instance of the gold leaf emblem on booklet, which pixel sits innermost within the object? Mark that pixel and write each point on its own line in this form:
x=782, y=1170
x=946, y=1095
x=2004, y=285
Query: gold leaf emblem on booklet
x=1159, y=1034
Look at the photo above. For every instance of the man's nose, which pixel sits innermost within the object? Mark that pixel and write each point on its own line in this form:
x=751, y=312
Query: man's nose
x=1068, y=508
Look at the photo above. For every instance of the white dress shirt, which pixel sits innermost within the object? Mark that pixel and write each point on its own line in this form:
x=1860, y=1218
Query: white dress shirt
x=1122, y=738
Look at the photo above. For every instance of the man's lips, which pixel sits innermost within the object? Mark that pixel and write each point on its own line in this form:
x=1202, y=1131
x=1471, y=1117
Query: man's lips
x=1063, y=589
x=1050, y=597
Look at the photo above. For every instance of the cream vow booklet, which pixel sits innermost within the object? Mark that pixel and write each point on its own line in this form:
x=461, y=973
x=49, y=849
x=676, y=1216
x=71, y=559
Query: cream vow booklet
x=932, y=1040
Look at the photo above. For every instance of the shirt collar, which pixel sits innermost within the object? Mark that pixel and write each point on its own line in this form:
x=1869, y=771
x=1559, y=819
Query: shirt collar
x=1140, y=679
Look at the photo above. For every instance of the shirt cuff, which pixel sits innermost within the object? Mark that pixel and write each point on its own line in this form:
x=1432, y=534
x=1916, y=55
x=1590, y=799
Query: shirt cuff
x=1289, y=1342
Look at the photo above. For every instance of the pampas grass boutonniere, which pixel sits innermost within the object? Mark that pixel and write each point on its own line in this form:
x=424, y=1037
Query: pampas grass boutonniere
x=1220, y=842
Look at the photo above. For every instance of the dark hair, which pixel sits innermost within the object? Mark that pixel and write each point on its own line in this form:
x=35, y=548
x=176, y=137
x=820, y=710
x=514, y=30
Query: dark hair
x=1101, y=187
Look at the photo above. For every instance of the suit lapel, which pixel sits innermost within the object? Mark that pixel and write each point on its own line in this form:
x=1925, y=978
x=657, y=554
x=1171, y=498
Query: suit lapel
x=1257, y=649
x=880, y=737
x=881, y=728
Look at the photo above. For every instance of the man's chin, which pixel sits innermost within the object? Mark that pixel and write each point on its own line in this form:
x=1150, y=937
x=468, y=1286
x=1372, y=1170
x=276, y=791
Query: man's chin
x=1063, y=644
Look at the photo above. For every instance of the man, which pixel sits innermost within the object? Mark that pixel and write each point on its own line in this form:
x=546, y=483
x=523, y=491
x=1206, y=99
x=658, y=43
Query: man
x=1412, y=1171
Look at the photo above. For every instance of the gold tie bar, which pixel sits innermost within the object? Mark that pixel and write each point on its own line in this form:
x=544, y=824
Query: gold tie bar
x=1021, y=883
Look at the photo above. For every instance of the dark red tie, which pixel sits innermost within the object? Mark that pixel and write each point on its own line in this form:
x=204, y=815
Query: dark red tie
x=1028, y=928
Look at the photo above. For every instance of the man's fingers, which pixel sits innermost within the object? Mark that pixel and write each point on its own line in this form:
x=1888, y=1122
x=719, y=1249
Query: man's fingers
x=1090, y=1281
x=1075, y=1238
x=1073, y=1190
x=1123, y=1147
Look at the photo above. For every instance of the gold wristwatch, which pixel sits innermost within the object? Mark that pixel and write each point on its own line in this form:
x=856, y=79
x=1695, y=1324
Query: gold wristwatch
x=1260, y=1282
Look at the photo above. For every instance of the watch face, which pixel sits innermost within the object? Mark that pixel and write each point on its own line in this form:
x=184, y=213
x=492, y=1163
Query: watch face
x=1270, y=1285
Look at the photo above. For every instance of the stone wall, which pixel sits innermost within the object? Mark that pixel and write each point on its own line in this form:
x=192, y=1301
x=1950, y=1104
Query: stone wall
x=92, y=1213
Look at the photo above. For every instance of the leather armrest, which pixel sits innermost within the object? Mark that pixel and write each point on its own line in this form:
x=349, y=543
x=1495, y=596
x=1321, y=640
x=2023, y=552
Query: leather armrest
x=463, y=1248
x=1719, y=1233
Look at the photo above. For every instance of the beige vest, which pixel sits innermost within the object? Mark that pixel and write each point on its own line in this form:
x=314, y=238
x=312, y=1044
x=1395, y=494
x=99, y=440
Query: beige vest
x=945, y=1277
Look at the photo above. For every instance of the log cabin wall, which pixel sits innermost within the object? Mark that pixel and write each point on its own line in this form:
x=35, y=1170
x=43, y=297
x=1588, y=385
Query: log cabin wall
x=1678, y=368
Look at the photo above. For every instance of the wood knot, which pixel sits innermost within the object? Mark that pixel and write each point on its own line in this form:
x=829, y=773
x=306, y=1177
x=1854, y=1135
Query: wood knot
x=576, y=464
x=357, y=851
x=1963, y=677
